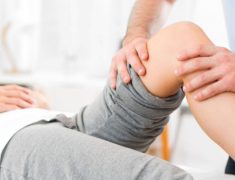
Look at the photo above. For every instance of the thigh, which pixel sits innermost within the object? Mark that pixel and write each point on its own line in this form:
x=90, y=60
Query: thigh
x=51, y=151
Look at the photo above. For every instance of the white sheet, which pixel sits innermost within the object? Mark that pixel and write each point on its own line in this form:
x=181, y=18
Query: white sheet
x=12, y=121
x=202, y=174
x=212, y=176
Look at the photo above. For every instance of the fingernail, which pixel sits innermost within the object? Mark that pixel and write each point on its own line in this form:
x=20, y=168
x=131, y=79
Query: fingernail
x=185, y=89
x=177, y=73
x=113, y=86
x=143, y=56
x=33, y=101
x=27, y=91
x=141, y=71
x=126, y=79
x=196, y=97
x=179, y=56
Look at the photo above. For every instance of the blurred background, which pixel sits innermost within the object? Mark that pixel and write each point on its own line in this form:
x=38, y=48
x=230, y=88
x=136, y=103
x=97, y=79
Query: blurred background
x=65, y=47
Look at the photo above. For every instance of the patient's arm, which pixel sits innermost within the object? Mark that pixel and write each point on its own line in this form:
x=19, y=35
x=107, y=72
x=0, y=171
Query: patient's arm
x=216, y=115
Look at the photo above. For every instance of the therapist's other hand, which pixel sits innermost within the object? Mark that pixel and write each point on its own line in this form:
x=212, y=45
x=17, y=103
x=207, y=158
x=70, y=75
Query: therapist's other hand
x=15, y=97
x=218, y=70
x=131, y=53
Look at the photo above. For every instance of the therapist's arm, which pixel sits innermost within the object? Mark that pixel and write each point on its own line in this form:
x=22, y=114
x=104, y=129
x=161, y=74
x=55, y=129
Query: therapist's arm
x=14, y=97
x=146, y=18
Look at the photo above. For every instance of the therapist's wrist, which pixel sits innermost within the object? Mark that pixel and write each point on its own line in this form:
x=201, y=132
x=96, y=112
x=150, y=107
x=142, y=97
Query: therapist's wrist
x=132, y=35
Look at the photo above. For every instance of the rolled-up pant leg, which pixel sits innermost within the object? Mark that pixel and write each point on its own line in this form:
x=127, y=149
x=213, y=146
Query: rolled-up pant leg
x=50, y=151
x=129, y=116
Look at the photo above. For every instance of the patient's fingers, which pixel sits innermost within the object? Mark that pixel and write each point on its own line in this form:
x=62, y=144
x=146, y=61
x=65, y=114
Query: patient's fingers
x=16, y=87
x=7, y=107
x=16, y=97
x=40, y=100
x=19, y=94
x=197, y=51
x=17, y=102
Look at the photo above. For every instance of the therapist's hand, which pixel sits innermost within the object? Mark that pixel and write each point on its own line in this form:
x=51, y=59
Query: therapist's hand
x=15, y=97
x=132, y=53
x=218, y=65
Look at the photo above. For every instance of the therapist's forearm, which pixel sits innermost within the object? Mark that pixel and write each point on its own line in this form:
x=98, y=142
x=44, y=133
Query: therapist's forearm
x=146, y=16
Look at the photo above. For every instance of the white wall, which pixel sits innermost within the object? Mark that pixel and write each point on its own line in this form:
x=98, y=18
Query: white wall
x=208, y=14
x=23, y=18
x=84, y=33
x=82, y=36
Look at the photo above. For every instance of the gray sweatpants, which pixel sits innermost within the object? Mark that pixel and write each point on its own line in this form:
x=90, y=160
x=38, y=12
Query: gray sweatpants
x=129, y=116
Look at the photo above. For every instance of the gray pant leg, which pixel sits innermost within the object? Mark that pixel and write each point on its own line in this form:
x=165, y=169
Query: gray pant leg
x=129, y=116
x=52, y=152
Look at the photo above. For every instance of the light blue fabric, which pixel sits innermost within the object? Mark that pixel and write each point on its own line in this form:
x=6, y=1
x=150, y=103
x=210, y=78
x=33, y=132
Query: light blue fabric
x=229, y=12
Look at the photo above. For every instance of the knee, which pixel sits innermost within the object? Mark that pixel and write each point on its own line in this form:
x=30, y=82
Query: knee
x=163, y=49
x=183, y=28
x=182, y=34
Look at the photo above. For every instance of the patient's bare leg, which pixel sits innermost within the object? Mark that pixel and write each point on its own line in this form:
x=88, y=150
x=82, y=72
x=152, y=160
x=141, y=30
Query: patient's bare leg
x=216, y=115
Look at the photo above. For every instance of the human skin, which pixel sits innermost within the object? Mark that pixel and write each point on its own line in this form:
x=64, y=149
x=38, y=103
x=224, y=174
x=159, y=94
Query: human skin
x=218, y=61
x=14, y=97
x=214, y=115
x=219, y=66
x=146, y=18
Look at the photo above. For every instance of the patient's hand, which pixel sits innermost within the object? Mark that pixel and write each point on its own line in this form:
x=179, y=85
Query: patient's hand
x=40, y=100
x=16, y=97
